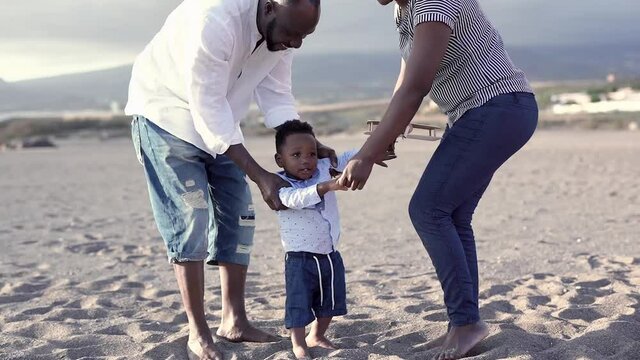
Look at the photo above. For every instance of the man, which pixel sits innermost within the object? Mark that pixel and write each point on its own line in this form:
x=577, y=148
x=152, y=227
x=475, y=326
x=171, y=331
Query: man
x=189, y=90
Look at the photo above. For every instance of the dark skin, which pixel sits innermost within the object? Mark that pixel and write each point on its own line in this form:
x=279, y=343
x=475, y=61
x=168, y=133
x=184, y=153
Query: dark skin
x=430, y=44
x=290, y=23
x=282, y=26
x=298, y=156
x=285, y=26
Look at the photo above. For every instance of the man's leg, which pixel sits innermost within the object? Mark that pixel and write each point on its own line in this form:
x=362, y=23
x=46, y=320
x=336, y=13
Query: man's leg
x=230, y=244
x=234, y=325
x=190, y=276
x=177, y=183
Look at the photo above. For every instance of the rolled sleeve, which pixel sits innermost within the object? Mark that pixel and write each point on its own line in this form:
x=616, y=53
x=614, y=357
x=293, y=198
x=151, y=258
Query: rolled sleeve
x=299, y=198
x=444, y=11
x=273, y=95
x=208, y=77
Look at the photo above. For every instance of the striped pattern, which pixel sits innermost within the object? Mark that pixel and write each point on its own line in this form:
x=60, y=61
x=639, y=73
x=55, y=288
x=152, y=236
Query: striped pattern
x=476, y=66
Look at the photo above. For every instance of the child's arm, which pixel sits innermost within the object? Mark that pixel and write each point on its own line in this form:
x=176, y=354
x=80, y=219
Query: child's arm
x=299, y=198
x=305, y=197
x=330, y=185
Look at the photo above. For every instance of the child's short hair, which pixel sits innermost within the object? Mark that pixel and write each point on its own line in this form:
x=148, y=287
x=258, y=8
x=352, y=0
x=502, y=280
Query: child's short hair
x=291, y=127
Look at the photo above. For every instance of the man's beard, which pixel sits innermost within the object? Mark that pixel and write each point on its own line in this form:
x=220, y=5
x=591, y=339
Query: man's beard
x=269, y=36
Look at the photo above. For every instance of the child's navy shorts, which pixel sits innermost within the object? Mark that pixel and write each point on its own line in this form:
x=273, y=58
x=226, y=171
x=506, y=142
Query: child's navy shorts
x=315, y=287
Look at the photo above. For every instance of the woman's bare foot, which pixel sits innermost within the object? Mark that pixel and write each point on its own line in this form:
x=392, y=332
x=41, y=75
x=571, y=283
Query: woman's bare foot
x=245, y=333
x=461, y=339
x=321, y=341
x=201, y=349
x=301, y=352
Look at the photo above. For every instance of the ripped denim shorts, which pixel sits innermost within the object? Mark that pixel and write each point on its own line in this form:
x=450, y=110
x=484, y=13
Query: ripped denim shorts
x=202, y=205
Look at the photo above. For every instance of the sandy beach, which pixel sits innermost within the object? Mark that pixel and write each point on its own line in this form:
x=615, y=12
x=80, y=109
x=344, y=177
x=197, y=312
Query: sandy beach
x=83, y=271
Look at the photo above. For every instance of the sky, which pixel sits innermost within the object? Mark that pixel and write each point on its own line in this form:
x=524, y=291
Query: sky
x=40, y=38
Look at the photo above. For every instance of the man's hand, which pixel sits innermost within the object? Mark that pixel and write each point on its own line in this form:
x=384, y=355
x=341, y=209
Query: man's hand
x=327, y=152
x=270, y=185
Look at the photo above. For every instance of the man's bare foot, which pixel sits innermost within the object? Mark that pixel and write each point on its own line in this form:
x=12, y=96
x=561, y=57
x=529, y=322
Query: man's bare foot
x=321, y=341
x=461, y=339
x=200, y=349
x=301, y=352
x=246, y=333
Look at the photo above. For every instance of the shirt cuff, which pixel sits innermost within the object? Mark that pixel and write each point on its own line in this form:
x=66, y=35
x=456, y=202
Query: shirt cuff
x=434, y=17
x=219, y=145
x=278, y=116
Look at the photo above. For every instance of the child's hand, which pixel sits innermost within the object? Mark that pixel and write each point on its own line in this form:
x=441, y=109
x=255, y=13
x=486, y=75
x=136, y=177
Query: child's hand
x=330, y=185
x=335, y=185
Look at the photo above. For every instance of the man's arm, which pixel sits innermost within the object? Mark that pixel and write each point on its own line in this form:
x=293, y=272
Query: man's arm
x=207, y=51
x=212, y=116
x=267, y=182
x=273, y=94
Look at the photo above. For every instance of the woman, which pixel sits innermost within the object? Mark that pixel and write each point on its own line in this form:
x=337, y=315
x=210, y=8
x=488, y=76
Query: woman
x=451, y=51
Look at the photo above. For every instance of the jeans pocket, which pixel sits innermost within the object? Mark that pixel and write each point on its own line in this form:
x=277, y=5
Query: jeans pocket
x=135, y=136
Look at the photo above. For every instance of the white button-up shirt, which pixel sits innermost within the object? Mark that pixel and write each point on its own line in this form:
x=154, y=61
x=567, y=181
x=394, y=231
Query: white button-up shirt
x=197, y=77
x=312, y=223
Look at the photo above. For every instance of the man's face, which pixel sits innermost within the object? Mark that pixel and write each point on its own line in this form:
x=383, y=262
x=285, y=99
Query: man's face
x=290, y=24
x=298, y=156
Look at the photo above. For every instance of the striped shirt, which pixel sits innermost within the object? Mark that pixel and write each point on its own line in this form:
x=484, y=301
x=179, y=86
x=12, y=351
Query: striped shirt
x=475, y=67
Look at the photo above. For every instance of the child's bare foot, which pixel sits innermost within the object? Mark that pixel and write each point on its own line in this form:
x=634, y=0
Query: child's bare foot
x=461, y=339
x=321, y=341
x=301, y=352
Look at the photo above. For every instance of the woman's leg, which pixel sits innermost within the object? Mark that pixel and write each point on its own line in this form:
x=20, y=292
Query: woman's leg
x=462, y=221
x=448, y=192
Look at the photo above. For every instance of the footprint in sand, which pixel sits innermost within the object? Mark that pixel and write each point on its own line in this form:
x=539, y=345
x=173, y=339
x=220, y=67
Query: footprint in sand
x=89, y=248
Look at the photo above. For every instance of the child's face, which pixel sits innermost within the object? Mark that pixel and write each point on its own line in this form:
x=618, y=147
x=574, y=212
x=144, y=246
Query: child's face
x=298, y=156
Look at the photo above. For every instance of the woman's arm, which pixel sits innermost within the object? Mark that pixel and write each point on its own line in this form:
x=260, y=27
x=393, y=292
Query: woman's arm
x=403, y=66
x=430, y=43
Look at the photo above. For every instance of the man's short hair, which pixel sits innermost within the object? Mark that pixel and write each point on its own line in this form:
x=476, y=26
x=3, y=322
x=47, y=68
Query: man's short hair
x=315, y=3
x=292, y=127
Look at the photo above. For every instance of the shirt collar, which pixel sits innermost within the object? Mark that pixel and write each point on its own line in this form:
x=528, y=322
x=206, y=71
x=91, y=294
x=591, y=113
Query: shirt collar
x=291, y=179
x=255, y=33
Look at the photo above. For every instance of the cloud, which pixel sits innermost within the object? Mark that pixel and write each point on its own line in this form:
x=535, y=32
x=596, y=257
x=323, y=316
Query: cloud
x=99, y=32
x=128, y=23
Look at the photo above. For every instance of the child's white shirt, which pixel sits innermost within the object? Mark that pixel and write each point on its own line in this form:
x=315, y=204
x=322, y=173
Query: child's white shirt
x=312, y=223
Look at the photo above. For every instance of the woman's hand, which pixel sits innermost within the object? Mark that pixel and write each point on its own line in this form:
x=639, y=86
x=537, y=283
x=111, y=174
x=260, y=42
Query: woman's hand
x=356, y=173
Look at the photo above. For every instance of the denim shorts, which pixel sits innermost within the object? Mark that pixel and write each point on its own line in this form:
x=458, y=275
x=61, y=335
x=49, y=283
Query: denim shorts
x=201, y=204
x=315, y=286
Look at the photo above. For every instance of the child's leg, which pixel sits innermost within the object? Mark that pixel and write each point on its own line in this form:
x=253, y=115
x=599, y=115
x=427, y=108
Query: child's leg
x=316, y=335
x=300, y=349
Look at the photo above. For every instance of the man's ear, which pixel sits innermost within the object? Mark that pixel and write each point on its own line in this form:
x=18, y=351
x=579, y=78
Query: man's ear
x=279, y=161
x=269, y=7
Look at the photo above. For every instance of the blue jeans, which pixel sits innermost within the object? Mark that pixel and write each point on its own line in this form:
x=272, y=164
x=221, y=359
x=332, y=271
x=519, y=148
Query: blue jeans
x=451, y=187
x=202, y=205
